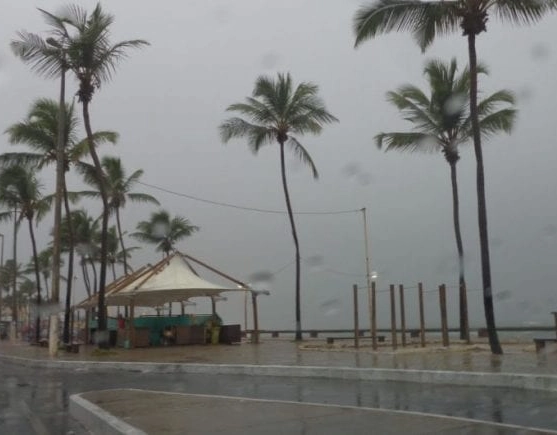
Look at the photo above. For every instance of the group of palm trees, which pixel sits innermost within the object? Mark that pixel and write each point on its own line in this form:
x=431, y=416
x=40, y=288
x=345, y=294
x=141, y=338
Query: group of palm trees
x=444, y=117
x=78, y=42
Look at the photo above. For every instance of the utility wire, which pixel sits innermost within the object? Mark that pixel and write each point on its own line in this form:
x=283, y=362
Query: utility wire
x=238, y=207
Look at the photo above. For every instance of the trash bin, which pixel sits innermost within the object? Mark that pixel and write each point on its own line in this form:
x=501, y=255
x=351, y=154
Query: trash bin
x=215, y=333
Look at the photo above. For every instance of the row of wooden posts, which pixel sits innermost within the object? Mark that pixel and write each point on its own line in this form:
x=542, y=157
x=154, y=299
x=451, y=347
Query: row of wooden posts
x=403, y=330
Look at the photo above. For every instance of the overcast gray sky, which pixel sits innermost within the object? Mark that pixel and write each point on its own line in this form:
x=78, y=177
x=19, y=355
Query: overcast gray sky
x=167, y=101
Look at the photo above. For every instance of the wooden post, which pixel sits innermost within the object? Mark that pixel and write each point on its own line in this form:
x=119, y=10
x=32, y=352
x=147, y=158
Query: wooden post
x=402, y=314
x=356, y=325
x=255, y=333
x=443, y=306
x=422, y=317
x=464, y=300
x=373, y=317
x=393, y=316
x=555, y=317
x=132, y=326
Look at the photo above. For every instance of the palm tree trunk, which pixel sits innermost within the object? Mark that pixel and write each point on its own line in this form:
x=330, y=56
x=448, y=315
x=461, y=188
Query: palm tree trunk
x=67, y=309
x=296, y=244
x=38, y=278
x=46, y=289
x=85, y=273
x=60, y=146
x=14, y=278
x=482, y=211
x=463, y=302
x=121, y=237
x=95, y=283
x=101, y=315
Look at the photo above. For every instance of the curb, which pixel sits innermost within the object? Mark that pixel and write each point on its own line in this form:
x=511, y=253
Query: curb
x=97, y=420
x=479, y=379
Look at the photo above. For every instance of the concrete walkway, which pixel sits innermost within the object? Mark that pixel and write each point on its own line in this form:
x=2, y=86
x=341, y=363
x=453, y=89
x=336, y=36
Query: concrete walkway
x=146, y=412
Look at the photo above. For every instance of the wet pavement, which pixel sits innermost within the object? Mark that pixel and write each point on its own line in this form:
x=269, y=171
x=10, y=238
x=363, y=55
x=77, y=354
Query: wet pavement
x=518, y=357
x=45, y=393
x=179, y=414
x=36, y=400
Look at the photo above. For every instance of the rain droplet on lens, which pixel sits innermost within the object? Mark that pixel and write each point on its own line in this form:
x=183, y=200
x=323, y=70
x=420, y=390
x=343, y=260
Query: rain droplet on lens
x=539, y=51
x=261, y=276
x=503, y=295
x=364, y=178
x=351, y=169
x=330, y=307
x=270, y=60
x=315, y=262
x=454, y=105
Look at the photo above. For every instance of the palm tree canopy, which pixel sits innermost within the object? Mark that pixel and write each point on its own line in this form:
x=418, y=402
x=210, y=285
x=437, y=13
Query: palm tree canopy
x=277, y=112
x=90, y=54
x=39, y=131
x=426, y=20
x=46, y=56
x=20, y=188
x=441, y=121
x=163, y=231
x=85, y=233
x=118, y=184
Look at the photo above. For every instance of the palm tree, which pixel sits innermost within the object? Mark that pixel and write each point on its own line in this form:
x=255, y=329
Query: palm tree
x=442, y=122
x=47, y=57
x=276, y=112
x=118, y=186
x=115, y=255
x=86, y=235
x=163, y=231
x=10, y=274
x=426, y=19
x=22, y=188
x=45, y=267
x=93, y=59
x=39, y=132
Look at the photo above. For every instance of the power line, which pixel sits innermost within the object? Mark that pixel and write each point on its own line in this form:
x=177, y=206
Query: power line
x=238, y=207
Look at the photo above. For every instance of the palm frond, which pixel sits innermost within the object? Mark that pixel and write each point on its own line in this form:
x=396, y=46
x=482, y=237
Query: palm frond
x=143, y=197
x=497, y=122
x=523, y=11
x=424, y=19
x=257, y=135
x=303, y=155
x=47, y=61
x=408, y=142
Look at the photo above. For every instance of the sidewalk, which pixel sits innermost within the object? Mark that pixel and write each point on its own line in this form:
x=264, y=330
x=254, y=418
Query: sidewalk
x=518, y=357
x=180, y=414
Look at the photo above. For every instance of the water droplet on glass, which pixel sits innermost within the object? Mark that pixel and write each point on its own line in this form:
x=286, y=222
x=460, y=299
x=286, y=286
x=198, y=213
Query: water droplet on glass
x=539, y=51
x=454, y=105
x=270, y=60
x=503, y=295
x=330, y=307
x=351, y=169
x=315, y=262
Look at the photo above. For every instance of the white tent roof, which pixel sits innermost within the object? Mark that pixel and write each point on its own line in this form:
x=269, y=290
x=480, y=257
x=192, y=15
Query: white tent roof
x=171, y=280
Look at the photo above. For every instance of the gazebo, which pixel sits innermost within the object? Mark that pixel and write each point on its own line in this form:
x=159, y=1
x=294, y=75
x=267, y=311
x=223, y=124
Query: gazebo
x=173, y=279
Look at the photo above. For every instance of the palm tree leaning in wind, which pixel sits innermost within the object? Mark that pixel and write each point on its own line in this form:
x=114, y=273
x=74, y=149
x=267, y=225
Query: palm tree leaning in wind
x=442, y=122
x=118, y=187
x=47, y=57
x=39, y=132
x=275, y=113
x=93, y=59
x=24, y=189
x=426, y=19
x=164, y=231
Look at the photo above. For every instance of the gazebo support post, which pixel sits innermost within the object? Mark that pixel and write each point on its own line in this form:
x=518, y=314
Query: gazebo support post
x=132, y=326
x=255, y=333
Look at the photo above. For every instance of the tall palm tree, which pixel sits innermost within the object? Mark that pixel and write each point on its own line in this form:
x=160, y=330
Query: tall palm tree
x=276, y=112
x=39, y=132
x=115, y=255
x=93, y=59
x=45, y=267
x=164, y=231
x=426, y=19
x=119, y=189
x=47, y=57
x=442, y=122
x=23, y=189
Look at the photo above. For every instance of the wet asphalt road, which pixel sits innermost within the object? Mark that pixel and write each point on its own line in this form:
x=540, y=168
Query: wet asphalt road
x=35, y=401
